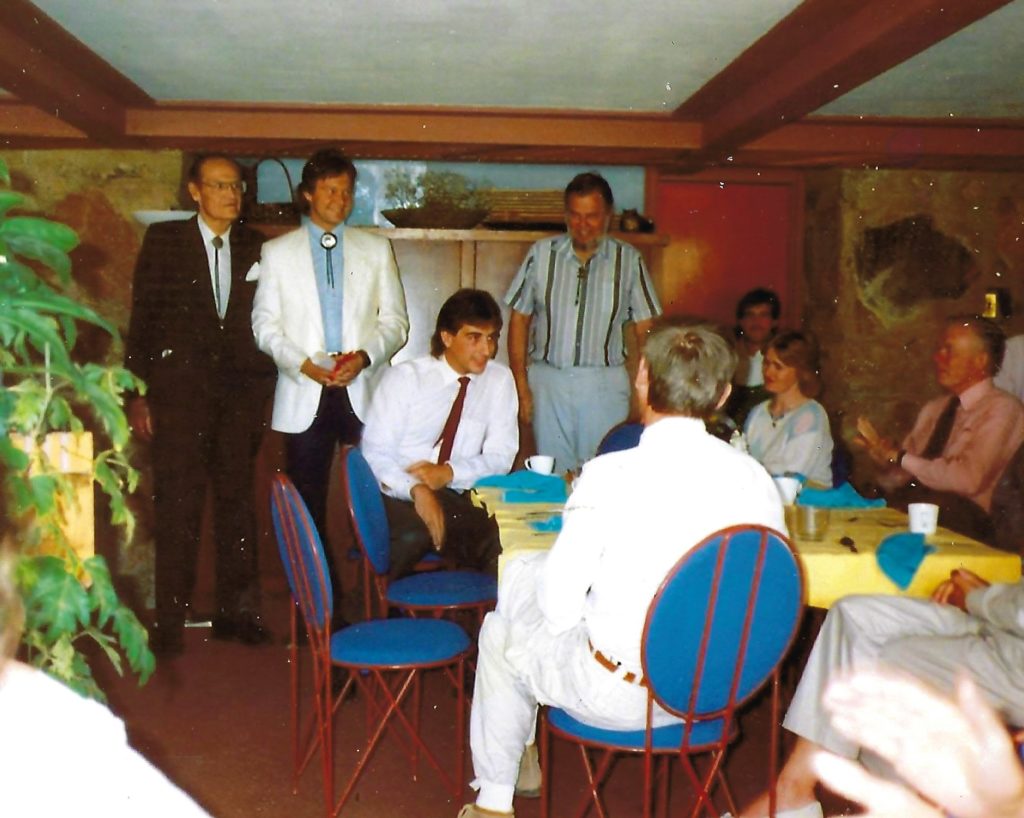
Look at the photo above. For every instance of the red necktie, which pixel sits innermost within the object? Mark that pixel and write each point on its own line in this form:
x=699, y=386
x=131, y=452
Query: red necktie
x=451, y=426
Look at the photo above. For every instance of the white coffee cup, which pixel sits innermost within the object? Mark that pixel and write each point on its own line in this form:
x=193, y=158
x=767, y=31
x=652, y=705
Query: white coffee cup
x=924, y=518
x=541, y=463
x=789, y=488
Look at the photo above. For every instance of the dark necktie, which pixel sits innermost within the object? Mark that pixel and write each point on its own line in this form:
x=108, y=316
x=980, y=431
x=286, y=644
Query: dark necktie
x=451, y=426
x=940, y=434
x=217, y=243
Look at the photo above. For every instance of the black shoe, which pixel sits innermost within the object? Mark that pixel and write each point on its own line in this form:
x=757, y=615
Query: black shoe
x=166, y=642
x=244, y=628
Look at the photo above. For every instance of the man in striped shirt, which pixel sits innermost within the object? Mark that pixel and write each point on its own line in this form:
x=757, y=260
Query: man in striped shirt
x=571, y=300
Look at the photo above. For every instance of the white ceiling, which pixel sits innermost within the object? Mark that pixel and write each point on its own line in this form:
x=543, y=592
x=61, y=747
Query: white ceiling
x=977, y=72
x=573, y=54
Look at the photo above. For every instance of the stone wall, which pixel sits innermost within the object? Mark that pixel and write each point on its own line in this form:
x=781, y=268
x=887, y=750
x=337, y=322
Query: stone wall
x=889, y=254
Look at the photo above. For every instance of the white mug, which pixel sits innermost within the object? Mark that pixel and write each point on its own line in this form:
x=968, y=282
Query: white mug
x=541, y=463
x=924, y=518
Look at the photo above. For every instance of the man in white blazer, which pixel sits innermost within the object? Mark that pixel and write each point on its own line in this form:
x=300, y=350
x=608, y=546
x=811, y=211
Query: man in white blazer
x=330, y=311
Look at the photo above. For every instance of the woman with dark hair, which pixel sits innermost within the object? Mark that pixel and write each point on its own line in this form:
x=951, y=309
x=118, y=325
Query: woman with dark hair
x=789, y=432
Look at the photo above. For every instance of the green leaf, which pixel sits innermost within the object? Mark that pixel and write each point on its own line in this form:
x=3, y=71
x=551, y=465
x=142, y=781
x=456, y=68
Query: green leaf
x=14, y=458
x=56, y=603
x=135, y=642
x=57, y=235
x=5, y=175
x=102, y=595
x=41, y=331
x=48, y=302
x=9, y=199
x=109, y=647
x=44, y=493
x=32, y=247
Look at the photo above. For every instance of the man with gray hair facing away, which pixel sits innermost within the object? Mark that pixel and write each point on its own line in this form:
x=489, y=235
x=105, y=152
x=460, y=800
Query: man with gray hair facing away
x=564, y=617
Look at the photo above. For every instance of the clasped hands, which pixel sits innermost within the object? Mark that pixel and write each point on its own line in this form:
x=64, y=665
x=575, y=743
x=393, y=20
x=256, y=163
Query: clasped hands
x=347, y=366
x=880, y=449
x=431, y=476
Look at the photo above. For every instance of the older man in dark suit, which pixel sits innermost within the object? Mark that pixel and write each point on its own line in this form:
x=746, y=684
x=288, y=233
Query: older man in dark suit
x=190, y=339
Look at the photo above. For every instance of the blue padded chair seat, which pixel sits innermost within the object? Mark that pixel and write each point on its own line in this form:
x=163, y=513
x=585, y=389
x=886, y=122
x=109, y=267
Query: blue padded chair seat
x=669, y=737
x=443, y=588
x=396, y=643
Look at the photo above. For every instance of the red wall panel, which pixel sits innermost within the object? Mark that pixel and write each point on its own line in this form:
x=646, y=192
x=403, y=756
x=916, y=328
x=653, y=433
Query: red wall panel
x=726, y=238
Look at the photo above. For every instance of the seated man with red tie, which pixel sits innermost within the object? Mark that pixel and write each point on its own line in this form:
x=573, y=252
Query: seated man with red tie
x=436, y=425
x=960, y=445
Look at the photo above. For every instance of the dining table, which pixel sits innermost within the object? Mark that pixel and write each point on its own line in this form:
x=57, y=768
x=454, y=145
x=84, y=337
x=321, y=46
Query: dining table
x=841, y=563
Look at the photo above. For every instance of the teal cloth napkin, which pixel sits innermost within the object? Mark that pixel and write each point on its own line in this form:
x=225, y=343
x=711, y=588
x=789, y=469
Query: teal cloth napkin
x=552, y=523
x=845, y=496
x=525, y=486
x=900, y=555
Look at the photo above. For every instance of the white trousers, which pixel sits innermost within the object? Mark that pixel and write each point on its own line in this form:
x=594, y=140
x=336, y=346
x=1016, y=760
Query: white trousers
x=522, y=664
x=574, y=408
x=924, y=639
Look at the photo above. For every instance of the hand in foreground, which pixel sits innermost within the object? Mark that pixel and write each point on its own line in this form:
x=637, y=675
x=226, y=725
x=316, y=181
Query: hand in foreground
x=880, y=449
x=140, y=421
x=954, y=590
x=427, y=506
x=435, y=476
x=956, y=753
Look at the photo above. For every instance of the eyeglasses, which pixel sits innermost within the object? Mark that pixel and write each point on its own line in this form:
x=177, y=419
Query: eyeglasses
x=224, y=187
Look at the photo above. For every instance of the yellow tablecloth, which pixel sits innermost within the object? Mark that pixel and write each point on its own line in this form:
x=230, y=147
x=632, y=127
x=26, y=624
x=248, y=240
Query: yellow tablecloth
x=831, y=570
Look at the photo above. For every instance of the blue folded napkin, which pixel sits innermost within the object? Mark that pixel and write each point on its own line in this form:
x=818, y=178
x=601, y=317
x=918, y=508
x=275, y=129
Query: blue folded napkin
x=900, y=555
x=845, y=496
x=526, y=486
x=552, y=523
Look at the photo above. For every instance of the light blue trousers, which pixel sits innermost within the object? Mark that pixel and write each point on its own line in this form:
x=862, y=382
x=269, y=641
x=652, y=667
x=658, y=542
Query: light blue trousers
x=574, y=408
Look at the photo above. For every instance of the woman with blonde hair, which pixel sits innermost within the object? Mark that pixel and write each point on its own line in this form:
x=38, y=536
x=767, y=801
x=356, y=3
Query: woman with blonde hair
x=789, y=433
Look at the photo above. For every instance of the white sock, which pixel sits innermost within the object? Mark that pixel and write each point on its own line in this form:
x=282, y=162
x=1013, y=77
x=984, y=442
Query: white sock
x=495, y=797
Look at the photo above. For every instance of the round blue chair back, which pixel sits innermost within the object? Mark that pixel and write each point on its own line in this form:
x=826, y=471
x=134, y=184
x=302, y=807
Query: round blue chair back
x=302, y=553
x=722, y=620
x=620, y=437
x=367, y=506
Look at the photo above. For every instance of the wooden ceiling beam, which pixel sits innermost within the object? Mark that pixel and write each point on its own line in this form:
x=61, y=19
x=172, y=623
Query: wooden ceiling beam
x=454, y=129
x=45, y=66
x=24, y=125
x=819, y=52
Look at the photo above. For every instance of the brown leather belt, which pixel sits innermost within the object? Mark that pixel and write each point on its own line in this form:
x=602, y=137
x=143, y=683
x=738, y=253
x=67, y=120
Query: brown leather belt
x=612, y=666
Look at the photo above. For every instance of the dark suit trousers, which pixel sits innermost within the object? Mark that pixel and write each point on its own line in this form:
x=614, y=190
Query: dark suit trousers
x=470, y=540
x=213, y=442
x=310, y=453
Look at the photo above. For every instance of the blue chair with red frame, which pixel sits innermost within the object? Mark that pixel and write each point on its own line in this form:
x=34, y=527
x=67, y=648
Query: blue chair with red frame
x=383, y=658
x=716, y=631
x=434, y=592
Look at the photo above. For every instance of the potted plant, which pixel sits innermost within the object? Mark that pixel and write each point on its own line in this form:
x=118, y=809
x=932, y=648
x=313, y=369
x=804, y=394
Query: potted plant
x=434, y=199
x=69, y=600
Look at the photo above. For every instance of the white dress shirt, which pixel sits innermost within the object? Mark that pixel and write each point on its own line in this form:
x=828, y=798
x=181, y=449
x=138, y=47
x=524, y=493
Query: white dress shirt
x=632, y=515
x=408, y=413
x=219, y=261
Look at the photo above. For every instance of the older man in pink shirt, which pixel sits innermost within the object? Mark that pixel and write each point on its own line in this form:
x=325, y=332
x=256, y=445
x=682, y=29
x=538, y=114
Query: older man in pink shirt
x=960, y=444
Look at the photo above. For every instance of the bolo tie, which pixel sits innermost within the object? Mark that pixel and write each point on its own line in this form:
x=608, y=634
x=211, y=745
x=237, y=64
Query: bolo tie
x=329, y=241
